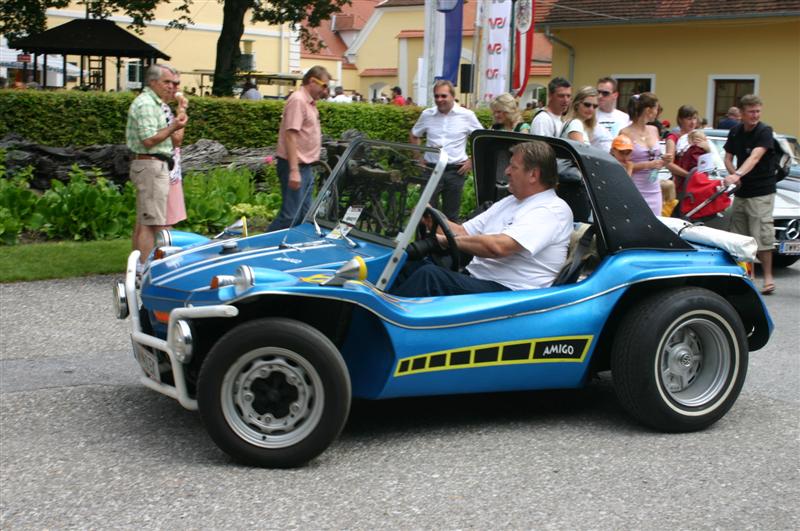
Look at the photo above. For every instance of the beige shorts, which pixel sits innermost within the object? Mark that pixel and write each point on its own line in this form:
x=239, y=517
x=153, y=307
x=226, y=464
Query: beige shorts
x=151, y=178
x=752, y=216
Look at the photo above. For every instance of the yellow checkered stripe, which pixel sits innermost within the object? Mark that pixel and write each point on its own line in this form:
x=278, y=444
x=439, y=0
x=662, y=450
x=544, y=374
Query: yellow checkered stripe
x=569, y=349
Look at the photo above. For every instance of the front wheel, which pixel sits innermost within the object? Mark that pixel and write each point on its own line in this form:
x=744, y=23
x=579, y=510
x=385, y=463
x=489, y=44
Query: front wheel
x=274, y=393
x=680, y=359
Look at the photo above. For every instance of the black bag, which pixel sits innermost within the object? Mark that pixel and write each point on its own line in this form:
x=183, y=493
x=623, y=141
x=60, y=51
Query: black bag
x=781, y=158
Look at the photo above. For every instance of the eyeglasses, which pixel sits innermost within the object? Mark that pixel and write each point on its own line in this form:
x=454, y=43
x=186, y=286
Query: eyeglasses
x=318, y=82
x=604, y=93
x=589, y=105
x=440, y=96
x=175, y=83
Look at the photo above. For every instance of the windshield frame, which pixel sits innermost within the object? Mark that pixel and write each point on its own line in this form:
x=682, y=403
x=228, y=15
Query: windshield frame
x=402, y=239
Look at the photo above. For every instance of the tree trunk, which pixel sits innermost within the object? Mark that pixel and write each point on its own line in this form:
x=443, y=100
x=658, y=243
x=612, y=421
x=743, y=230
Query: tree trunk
x=228, y=46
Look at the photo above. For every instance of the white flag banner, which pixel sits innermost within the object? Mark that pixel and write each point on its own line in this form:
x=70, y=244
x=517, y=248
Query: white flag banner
x=495, y=54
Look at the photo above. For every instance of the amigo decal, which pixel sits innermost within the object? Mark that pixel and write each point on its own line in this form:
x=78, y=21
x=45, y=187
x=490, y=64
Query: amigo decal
x=543, y=350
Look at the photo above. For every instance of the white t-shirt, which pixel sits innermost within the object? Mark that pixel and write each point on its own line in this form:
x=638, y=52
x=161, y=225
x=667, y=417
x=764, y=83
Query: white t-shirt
x=601, y=138
x=576, y=126
x=541, y=224
x=447, y=131
x=545, y=123
x=615, y=121
x=341, y=98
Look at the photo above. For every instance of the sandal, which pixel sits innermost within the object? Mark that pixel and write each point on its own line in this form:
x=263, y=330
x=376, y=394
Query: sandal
x=769, y=289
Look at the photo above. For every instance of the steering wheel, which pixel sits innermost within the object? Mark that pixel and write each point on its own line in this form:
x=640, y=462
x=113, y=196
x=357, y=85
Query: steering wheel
x=427, y=243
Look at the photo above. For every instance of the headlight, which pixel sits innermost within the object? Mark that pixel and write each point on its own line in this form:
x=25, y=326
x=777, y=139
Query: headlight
x=163, y=238
x=245, y=279
x=120, y=301
x=182, y=341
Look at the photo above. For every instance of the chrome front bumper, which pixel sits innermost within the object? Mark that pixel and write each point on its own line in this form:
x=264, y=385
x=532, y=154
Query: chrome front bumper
x=139, y=339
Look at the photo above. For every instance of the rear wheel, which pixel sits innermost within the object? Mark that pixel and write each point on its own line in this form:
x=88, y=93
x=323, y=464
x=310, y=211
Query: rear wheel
x=274, y=393
x=680, y=359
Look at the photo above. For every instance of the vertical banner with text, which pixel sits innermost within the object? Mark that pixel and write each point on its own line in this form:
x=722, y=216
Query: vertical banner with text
x=494, y=64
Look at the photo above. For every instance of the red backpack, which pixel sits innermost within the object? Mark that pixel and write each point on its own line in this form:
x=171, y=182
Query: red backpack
x=699, y=187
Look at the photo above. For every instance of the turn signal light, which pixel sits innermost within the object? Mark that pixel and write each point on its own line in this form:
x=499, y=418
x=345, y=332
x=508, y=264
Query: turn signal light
x=222, y=280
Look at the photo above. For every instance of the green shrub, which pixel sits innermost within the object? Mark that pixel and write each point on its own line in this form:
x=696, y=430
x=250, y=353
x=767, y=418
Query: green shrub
x=210, y=197
x=17, y=204
x=85, y=210
x=63, y=118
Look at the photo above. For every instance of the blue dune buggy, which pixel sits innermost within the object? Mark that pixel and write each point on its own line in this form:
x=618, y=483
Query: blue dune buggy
x=270, y=336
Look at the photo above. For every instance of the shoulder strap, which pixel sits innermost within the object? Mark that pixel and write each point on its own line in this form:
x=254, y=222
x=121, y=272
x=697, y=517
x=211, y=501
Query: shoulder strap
x=564, y=127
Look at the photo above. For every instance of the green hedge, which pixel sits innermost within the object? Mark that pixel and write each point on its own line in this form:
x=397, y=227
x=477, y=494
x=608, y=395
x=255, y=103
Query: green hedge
x=72, y=118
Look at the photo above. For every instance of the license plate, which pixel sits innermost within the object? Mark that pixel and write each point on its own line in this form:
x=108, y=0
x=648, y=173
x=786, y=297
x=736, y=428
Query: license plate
x=147, y=361
x=789, y=247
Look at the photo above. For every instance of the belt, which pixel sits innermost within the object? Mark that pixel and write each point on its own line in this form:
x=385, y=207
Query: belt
x=453, y=166
x=144, y=156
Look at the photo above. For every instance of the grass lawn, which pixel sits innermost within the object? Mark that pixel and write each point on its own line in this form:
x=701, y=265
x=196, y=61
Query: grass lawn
x=39, y=261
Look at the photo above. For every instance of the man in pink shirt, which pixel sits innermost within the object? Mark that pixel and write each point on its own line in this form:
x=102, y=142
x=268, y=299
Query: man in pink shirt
x=299, y=143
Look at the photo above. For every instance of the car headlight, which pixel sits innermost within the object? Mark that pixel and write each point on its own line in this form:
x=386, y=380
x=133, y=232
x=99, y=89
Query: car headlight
x=163, y=238
x=182, y=341
x=245, y=279
x=120, y=301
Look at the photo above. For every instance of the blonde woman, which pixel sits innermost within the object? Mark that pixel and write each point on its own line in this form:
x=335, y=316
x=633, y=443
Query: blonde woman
x=507, y=116
x=581, y=125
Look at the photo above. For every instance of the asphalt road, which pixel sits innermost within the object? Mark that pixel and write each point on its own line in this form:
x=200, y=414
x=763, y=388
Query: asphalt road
x=83, y=445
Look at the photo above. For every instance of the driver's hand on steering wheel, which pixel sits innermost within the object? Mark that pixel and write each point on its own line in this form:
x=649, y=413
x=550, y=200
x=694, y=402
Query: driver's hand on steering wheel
x=427, y=220
x=442, y=240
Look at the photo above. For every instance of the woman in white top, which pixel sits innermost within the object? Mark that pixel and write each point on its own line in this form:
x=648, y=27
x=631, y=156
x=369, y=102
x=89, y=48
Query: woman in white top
x=581, y=125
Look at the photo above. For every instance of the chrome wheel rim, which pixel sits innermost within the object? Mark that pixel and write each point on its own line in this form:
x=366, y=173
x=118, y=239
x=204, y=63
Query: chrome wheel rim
x=695, y=362
x=272, y=397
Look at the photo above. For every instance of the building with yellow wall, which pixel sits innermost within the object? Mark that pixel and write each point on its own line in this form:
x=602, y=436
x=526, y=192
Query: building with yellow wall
x=706, y=54
x=269, y=48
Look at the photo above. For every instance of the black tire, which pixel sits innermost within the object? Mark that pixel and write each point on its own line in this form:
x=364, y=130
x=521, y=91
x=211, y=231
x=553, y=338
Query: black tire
x=784, y=260
x=274, y=393
x=679, y=359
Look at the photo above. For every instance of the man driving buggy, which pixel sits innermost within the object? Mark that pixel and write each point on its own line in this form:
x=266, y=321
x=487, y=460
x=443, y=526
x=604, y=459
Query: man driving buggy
x=520, y=242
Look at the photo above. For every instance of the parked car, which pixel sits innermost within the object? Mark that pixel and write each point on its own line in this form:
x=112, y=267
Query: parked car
x=270, y=336
x=786, y=212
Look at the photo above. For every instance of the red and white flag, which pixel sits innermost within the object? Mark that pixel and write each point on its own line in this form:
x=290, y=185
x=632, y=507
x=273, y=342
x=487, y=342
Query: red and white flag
x=523, y=45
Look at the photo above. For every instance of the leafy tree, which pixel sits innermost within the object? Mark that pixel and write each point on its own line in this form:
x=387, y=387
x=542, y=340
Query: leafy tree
x=27, y=17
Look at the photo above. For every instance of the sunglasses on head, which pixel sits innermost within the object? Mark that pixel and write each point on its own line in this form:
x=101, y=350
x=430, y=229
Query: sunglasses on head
x=318, y=82
x=589, y=105
x=604, y=92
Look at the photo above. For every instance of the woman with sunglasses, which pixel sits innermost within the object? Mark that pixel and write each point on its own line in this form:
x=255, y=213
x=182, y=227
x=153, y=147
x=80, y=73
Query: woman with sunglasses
x=647, y=157
x=581, y=125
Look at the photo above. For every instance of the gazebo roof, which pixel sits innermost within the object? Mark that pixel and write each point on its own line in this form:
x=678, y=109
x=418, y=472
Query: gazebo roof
x=89, y=37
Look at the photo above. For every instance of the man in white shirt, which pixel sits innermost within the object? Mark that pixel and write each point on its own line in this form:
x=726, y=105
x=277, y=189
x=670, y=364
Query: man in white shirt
x=547, y=122
x=608, y=115
x=520, y=242
x=447, y=126
x=340, y=96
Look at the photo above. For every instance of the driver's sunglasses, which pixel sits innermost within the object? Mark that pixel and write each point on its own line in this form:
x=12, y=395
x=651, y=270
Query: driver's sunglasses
x=604, y=93
x=318, y=81
x=440, y=96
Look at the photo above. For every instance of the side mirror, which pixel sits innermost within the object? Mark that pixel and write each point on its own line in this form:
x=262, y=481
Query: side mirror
x=353, y=269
